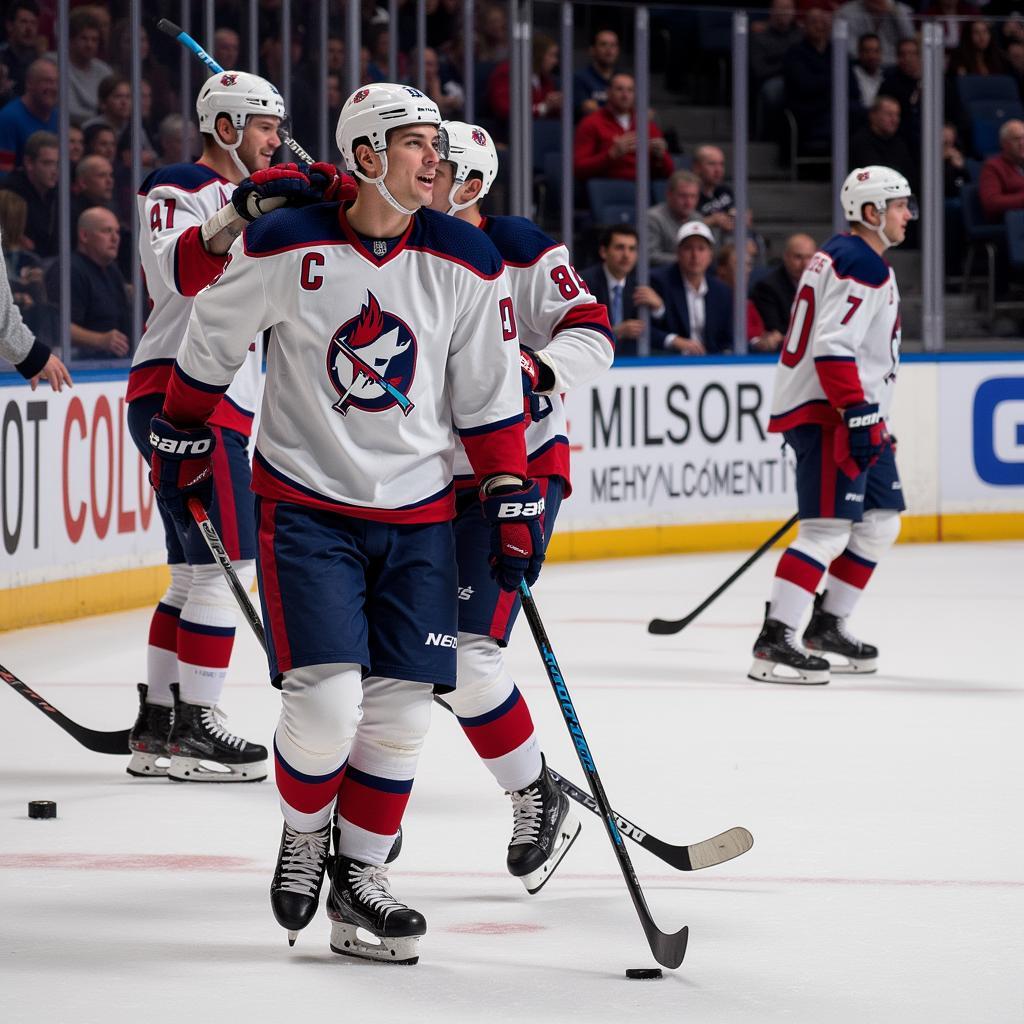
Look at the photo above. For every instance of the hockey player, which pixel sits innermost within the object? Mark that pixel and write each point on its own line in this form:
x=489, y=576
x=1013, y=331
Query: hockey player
x=833, y=390
x=189, y=214
x=391, y=331
x=565, y=340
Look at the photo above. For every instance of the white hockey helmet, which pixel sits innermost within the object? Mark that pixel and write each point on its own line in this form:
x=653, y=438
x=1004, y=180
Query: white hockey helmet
x=468, y=148
x=239, y=95
x=874, y=186
x=370, y=113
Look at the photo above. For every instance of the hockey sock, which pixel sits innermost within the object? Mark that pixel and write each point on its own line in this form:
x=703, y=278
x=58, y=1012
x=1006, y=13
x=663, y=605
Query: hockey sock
x=849, y=574
x=162, y=651
x=206, y=632
x=319, y=716
x=494, y=715
x=802, y=566
x=378, y=781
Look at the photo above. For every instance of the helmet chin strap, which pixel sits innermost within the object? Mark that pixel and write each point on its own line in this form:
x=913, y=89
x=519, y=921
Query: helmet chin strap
x=880, y=230
x=382, y=189
x=232, y=150
x=454, y=207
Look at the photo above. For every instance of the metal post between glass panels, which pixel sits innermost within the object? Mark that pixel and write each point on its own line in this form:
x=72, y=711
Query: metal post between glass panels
x=252, y=27
x=285, y=85
x=185, y=59
x=323, y=148
x=468, y=72
x=353, y=46
x=740, y=118
x=514, y=74
x=421, y=42
x=135, y=28
x=840, y=118
x=64, y=188
x=392, y=41
x=565, y=51
x=641, y=65
x=526, y=107
x=209, y=24
x=931, y=200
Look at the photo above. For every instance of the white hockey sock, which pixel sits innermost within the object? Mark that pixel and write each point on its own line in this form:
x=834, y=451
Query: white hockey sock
x=162, y=649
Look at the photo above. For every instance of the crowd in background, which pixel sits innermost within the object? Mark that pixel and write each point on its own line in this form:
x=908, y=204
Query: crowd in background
x=692, y=212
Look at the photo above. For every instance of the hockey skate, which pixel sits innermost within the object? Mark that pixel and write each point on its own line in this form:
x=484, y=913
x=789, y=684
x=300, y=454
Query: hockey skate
x=826, y=634
x=202, y=750
x=295, y=891
x=367, y=922
x=148, y=739
x=544, y=826
x=778, y=659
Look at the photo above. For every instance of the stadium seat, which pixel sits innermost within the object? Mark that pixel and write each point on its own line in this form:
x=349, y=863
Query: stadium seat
x=975, y=88
x=547, y=138
x=1015, y=239
x=980, y=234
x=609, y=197
x=973, y=168
x=987, y=117
x=659, y=189
x=796, y=160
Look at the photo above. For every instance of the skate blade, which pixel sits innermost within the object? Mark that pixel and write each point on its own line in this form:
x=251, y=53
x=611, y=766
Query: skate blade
x=195, y=769
x=567, y=835
x=148, y=766
x=771, y=672
x=292, y=936
x=853, y=666
x=350, y=940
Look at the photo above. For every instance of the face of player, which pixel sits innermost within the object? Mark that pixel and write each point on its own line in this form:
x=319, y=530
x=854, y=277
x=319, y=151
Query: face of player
x=898, y=214
x=412, y=165
x=260, y=140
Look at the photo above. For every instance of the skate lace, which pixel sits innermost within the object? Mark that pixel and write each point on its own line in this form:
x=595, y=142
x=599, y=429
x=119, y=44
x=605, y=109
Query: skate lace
x=526, y=816
x=213, y=720
x=790, y=640
x=302, y=860
x=370, y=885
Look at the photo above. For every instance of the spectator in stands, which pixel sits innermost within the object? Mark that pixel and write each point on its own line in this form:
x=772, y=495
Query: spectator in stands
x=1001, y=184
x=84, y=69
x=100, y=140
x=759, y=339
x=164, y=94
x=94, y=185
x=100, y=315
x=492, y=34
x=115, y=105
x=36, y=184
x=867, y=71
x=1015, y=59
x=807, y=71
x=336, y=55
x=890, y=20
x=35, y=111
x=590, y=86
x=879, y=142
x=954, y=166
x=773, y=295
x=546, y=97
x=175, y=139
x=665, y=219
x=378, y=43
x=977, y=53
x=76, y=146
x=442, y=86
x=335, y=97
x=950, y=14
x=903, y=83
x=612, y=282
x=695, y=315
x=226, y=47
x=717, y=204
x=23, y=268
x=22, y=45
x=769, y=41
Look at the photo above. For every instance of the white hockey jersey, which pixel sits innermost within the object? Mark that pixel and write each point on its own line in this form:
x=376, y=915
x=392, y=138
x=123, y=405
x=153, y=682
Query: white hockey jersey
x=173, y=202
x=375, y=360
x=555, y=314
x=843, y=343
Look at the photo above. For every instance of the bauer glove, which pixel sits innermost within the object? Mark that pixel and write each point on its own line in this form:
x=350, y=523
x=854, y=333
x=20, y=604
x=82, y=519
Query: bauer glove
x=263, y=191
x=536, y=376
x=330, y=185
x=516, y=514
x=181, y=466
x=861, y=438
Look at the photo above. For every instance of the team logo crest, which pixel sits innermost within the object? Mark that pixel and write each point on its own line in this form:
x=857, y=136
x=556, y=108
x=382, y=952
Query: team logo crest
x=229, y=79
x=372, y=361
x=479, y=138
x=360, y=96
x=864, y=175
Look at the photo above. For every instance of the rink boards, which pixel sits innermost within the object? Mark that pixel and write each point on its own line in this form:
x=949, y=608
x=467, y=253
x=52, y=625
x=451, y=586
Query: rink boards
x=668, y=456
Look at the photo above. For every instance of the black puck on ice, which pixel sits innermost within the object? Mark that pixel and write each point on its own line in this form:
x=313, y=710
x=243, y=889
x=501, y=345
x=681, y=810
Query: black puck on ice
x=42, y=809
x=643, y=973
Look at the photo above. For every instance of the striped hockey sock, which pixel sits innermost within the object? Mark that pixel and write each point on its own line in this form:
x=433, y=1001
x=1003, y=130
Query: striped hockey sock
x=796, y=580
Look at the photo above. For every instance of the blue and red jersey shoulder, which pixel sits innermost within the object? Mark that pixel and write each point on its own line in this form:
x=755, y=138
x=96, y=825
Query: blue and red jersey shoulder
x=853, y=258
x=186, y=177
x=520, y=242
x=291, y=228
x=456, y=240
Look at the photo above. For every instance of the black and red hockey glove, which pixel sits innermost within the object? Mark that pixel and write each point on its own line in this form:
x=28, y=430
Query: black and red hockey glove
x=517, y=533
x=263, y=191
x=181, y=466
x=861, y=439
x=330, y=184
x=536, y=375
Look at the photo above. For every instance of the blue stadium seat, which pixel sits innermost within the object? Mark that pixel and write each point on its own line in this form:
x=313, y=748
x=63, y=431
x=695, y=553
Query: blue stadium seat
x=659, y=189
x=547, y=138
x=609, y=197
x=973, y=88
x=980, y=234
x=973, y=169
x=1015, y=239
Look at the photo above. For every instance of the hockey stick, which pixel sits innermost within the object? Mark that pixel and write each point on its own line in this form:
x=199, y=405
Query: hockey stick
x=177, y=32
x=664, y=627
x=668, y=950
x=91, y=739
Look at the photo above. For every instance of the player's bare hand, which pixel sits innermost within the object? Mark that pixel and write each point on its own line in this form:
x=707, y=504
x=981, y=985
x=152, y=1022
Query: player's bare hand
x=55, y=373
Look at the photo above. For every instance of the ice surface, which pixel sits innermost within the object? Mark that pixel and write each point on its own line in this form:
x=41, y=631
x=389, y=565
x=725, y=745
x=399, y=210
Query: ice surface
x=886, y=882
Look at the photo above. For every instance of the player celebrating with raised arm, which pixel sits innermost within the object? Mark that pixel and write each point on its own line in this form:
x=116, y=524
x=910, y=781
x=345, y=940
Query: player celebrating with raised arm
x=833, y=390
x=189, y=215
x=565, y=341
x=391, y=332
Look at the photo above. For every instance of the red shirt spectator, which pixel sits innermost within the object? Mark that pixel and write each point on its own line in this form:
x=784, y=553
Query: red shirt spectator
x=1001, y=184
x=605, y=144
x=546, y=99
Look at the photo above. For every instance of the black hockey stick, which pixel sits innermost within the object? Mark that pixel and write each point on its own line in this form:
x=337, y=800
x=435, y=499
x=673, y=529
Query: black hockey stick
x=91, y=739
x=177, y=32
x=668, y=950
x=664, y=627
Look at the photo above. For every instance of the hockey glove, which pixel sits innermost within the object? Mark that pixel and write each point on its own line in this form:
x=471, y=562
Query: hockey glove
x=332, y=186
x=861, y=438
x=517, y=534
x=181, y=466
x=535, y=375
x=266, y=190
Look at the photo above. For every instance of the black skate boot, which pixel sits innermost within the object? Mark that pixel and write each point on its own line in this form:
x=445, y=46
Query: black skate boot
x=827, y=633
x=544, y=826
x=295, y=890
x=202, y=750
x=148, y=739
x=360, y=899
x=776, y=649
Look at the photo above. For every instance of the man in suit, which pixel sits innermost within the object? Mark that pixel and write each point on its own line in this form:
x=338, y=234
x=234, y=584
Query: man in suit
x=695, y=314
x=612, y=282
x=773, y=295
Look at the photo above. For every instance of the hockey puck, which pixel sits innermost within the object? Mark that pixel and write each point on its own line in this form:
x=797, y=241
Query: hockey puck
x=42, y=809
x=643, y=973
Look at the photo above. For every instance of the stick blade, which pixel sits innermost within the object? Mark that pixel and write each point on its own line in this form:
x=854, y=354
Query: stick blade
x=104, y=742
x=665, y=627
x=668, y=950
x=718, y=849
